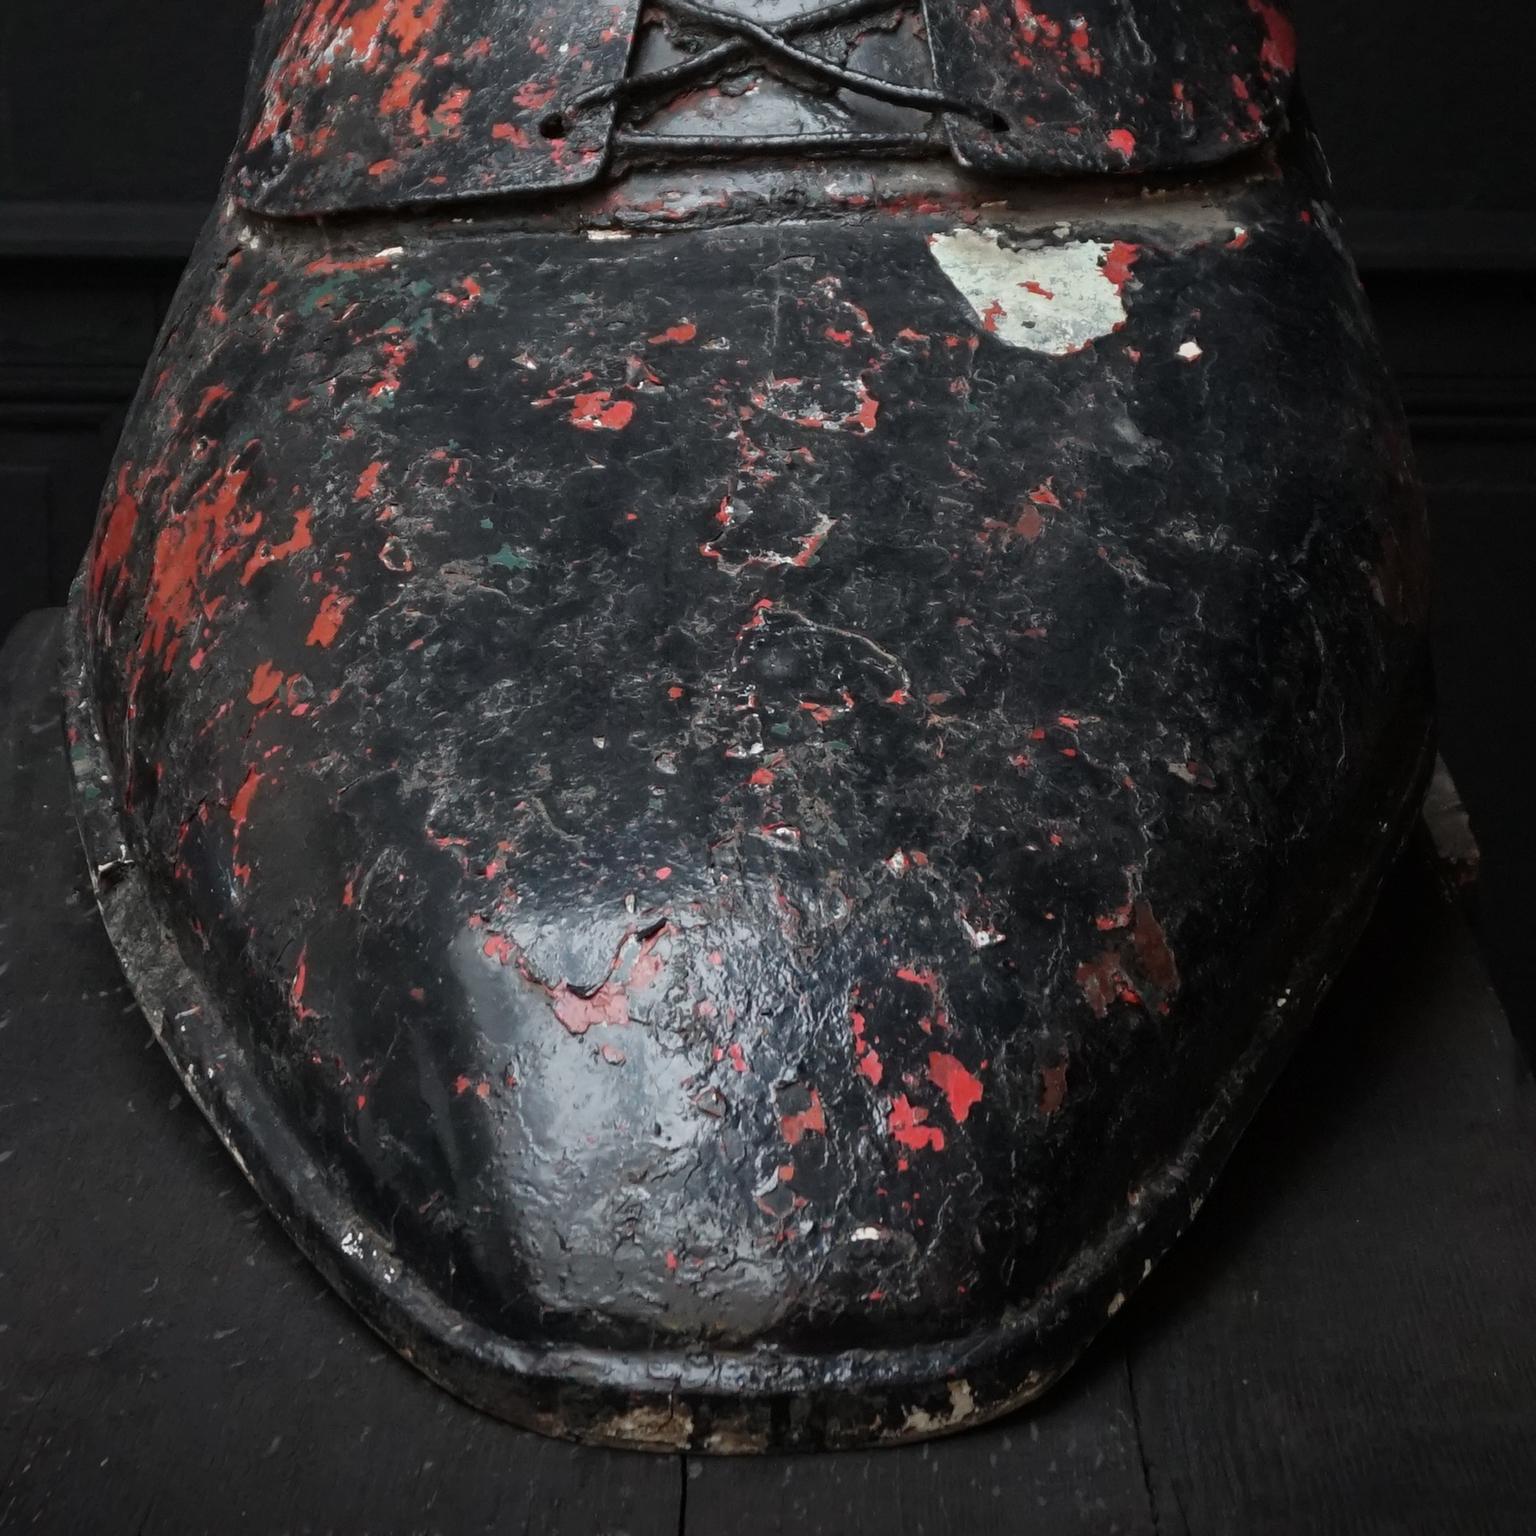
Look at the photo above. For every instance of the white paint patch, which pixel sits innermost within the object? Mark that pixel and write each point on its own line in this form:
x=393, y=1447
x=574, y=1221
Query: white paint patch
x=982, y=938
x=648, y=1425
x=1191, y=352
x=961, y=1407
x=1055, y=299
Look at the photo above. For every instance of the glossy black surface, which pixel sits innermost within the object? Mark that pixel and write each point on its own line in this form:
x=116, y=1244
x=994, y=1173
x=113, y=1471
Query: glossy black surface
x=731, y=790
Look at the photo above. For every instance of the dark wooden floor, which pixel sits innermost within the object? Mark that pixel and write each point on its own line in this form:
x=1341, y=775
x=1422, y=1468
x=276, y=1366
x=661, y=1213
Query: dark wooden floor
x=1346, y=1342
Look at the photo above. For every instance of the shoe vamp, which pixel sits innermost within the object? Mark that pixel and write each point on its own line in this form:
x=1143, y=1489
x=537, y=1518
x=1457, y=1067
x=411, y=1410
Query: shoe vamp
x=741, y=782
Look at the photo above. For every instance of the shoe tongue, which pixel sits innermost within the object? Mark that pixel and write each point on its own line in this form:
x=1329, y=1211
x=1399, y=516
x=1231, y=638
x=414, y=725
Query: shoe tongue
x=750, y=94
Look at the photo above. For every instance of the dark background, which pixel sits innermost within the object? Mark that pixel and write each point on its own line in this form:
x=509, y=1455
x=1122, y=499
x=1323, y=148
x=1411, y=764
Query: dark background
x=115, y=117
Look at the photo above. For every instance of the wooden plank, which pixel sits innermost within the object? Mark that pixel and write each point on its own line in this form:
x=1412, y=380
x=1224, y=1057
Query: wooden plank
x=168, y=1362
x=1343, y=1342
x=1071, y=1466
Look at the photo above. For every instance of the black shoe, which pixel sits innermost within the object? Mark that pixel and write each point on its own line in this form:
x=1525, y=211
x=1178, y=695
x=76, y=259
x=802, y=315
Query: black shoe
x=729, y=762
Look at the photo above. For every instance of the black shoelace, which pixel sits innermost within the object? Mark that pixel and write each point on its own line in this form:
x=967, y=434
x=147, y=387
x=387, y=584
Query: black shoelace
x=743, y=38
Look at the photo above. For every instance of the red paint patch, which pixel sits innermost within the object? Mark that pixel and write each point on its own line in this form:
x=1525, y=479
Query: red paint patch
x=117, y=535
x=599, y=411
x=867, y=1057
x=400, y=94
x=296, y=989
x=905, y=1122
x=1099, y=980
x=1279, y=51
x=240, y=806
x=329, y=266
x=199, y=540
x=869, y=409
x=961, y=1087
x=1154, y=958
x=532, y=95
x=609, y=1004
x=266, y=554
x=929, y=982
x=1030, y=525
x=211, y=398
x=1118, y=261
x=368, y=481
x=265, y=681
x=808, y=1120
x=1144, y=966
x=684, y=330
x=1053, y=1088
x=327, y=625
x=1122, y=141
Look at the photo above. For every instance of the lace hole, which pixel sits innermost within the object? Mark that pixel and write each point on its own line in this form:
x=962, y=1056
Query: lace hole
x=553, y=126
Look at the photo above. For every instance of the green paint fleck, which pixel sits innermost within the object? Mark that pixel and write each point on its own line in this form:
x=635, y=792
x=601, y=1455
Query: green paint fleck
x=510, y=560
x=487, y=524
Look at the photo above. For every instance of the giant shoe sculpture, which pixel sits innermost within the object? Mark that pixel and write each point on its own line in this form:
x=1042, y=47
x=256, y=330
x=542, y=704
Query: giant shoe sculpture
x=744, y=671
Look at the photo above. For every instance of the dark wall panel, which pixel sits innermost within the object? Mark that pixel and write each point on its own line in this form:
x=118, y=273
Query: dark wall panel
x=1423, y=105
x=119, y=100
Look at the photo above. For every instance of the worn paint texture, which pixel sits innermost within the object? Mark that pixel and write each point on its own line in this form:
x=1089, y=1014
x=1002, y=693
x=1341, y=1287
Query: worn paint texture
x=1052, y=296
x=728, y=787
x=1112, y=85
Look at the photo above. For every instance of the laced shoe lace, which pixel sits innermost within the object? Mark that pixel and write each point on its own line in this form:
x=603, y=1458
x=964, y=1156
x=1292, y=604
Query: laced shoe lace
x=775, y=45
